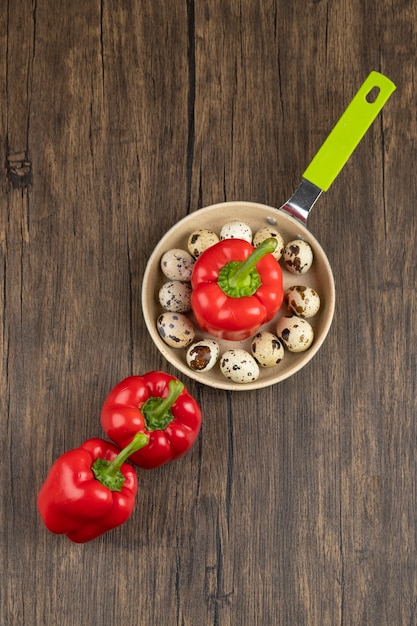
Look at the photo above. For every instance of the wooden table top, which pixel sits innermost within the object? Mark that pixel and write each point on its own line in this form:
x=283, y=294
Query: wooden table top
x=297, y=505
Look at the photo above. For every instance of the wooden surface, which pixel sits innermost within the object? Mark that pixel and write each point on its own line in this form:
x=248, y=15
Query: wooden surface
x=298, y=503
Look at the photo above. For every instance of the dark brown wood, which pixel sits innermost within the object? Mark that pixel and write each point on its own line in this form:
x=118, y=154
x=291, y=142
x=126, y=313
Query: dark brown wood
x=298, y=503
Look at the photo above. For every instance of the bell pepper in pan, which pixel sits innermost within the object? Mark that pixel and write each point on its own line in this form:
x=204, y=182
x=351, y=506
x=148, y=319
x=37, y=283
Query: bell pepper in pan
x=236, y=288
x=90, y=490
x=157, y=405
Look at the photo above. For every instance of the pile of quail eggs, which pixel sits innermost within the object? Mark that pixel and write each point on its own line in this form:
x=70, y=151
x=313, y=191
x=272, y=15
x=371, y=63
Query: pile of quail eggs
x=293, y=331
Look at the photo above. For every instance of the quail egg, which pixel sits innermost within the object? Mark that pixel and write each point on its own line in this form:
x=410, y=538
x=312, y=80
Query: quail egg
x=302, y=301
x=239, y=366
x=236, y=230
x=296, y=333
x=200, y=240
x=202, y=355
x=175, y=329
x=175, y=296
x=298, y=256
x=265, y=233
x=177, y=264
x=267, y=349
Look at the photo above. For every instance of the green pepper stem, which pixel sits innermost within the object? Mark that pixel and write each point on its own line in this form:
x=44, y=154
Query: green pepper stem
x=108, y=472
x=139, y=441
x=241, y=278
x=157, y=411
x=240, y=273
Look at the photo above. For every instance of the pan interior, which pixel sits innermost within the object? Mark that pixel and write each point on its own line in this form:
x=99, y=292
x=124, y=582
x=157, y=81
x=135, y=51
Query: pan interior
x=257, y=216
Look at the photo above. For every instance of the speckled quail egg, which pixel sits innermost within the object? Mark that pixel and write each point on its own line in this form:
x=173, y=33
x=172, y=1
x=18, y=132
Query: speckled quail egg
x=239, y=366
x=298, y=256
x=200, y=240
x=296, y=333
x=236, y=230
x=202, y=355
x=177, y=264
x=265, y=233
x=175, y=296
x=302, y=301
x=267, y=349
x=176, y=329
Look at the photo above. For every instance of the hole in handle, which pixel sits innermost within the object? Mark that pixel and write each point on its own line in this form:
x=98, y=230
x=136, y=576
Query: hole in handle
x=372, y=95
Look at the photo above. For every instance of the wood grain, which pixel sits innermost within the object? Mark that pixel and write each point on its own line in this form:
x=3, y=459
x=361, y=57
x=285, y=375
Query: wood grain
x=298, y=503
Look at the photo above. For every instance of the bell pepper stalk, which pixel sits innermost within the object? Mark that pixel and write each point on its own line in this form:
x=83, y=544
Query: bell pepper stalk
x=157, y=405
x=236, y=288
x=90, y=490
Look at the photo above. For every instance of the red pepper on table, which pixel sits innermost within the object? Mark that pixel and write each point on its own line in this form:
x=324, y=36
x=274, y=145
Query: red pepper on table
x=157, y=405
x=90, y=490
x=236, y=288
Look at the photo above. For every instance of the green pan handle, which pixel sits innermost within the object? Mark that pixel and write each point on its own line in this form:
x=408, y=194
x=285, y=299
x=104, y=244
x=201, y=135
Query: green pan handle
x=349, y=130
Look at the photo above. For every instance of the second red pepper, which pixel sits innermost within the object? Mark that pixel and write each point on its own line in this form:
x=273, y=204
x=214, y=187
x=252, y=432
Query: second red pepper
x=157, y=405
x=90, y=490
x=236, y=288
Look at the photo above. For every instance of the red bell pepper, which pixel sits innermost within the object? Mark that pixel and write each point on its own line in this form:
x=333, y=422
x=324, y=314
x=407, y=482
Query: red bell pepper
x=236, y=288
x=157, y=405
x=90, y=490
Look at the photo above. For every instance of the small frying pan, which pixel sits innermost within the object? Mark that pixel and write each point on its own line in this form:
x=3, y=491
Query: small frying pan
x=290, y=220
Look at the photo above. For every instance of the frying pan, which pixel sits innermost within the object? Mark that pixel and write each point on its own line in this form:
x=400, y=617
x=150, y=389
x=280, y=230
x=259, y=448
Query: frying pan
x=291, y=221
